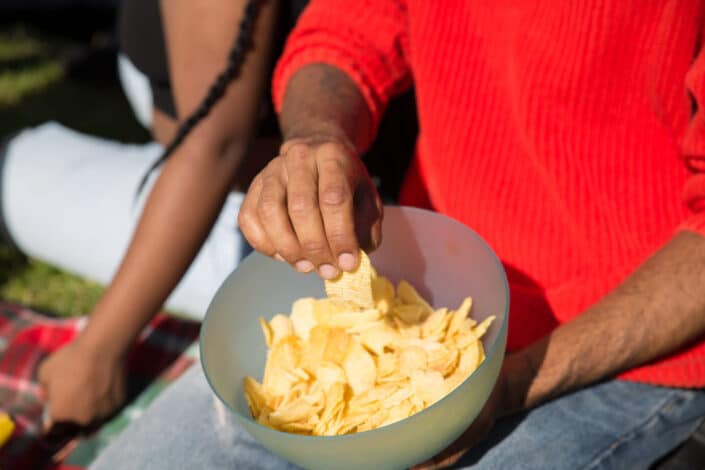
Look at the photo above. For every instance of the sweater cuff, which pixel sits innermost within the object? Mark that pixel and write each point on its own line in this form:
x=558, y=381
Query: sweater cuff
x=694, y=223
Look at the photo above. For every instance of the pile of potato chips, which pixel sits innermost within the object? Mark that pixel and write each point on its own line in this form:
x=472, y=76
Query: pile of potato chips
x=362, y=358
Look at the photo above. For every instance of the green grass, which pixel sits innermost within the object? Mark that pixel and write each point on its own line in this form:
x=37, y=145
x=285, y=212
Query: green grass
x=16, y=85
x=31, y=282
x=16, y=44
x=34, y=89
x=29, y=66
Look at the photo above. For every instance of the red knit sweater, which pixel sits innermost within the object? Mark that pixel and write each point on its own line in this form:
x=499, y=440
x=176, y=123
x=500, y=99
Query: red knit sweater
x=565, y=133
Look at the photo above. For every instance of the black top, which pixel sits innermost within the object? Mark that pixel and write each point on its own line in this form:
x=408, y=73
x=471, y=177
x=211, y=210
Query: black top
x=141, y=38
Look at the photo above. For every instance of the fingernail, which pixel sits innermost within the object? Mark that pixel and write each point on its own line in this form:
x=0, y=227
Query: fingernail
x=346, y=262
x=328, y=271
x=304, y=266
x=279, y=257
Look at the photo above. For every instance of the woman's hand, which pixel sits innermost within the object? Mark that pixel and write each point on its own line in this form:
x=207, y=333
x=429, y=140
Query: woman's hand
x=313, y=206
x=82, y=383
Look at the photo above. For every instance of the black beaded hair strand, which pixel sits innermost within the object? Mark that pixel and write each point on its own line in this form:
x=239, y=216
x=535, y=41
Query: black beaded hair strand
x=217, y=90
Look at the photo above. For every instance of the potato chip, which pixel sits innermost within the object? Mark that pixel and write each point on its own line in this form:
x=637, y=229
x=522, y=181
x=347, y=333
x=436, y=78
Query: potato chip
x=337, y=346
x=411, y=359
x=406, y=330
x=355, y=286
x=296, y=428
x=325, y=344
x=459, y=317
x=428, y=385
x=399, y=412
x=470, y=358
x=282, y=359
x=436, y=324
x=379, y=336
x=360, y=368
x=382, y=293
x=408, y=295
x=325, y=310
x=257, y=397
x=399, y=396
x=329, y=374
x=386, y=364
x=482, y=328
x=297, y=411
x=302, y=317
x=354, y=319
x=281, y=328
x=267, y=331
x=364, y=357
x=410, y=314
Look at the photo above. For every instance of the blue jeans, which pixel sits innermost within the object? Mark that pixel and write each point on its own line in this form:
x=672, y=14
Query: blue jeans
x=612, y=425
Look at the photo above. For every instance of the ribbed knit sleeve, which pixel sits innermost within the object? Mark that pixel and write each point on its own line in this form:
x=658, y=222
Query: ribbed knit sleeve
x=693, y=147
x=364, y=38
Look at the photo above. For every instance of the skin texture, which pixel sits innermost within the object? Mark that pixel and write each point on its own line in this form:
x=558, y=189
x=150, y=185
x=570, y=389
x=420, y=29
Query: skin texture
x=658, y=309
x=180, y=210
x=314, y=205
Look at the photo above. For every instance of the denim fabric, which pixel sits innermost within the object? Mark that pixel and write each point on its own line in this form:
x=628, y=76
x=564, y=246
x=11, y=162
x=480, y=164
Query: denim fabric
x=615, y=425
x=612, y=425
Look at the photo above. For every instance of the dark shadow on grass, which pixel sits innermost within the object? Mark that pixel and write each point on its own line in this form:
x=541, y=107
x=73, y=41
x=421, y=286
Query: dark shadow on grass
x=11, y=263
x=93, y=108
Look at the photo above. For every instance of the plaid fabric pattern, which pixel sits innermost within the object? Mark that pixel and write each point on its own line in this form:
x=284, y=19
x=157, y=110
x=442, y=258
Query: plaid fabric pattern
x=164, y=350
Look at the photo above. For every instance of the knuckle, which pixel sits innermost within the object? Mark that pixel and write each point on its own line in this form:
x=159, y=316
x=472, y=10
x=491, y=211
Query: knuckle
x=297, y=153
x=301, y=204
x=245, y=218
x=255, y=184
x=264, y=248
x=268, y=206
x=335, y=196
x=315, y=247
x=272, y=167
x=339, y=238
x=269, y=181
x=288, y=251
x=334, y=161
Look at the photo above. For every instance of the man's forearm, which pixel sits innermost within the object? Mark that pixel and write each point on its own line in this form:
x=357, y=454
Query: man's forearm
x=321, y=101
x=658, y=309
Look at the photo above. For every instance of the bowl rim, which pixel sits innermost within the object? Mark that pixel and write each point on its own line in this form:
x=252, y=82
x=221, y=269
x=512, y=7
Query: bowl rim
x=388, y=427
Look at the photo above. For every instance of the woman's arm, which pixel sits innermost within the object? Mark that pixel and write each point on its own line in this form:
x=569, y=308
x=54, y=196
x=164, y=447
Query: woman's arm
x=183, y=204
x=194, y=182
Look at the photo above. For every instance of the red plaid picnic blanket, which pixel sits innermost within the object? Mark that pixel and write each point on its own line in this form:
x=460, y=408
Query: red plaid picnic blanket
x=27, y=337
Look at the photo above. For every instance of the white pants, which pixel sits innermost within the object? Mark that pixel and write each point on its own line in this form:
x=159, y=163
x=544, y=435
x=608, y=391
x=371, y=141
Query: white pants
x=69, y=199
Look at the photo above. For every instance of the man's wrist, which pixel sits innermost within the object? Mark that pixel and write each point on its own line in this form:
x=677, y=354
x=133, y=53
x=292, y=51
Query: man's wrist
x=516, y=377
x=318, y=134
x=323, y=100
x=319, y=138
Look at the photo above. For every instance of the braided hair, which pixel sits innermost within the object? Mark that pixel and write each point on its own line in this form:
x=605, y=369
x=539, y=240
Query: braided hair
x=217, y=89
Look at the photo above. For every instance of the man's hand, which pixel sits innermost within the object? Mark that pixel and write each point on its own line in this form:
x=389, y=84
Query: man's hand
x=81, y=384
x=313, y=206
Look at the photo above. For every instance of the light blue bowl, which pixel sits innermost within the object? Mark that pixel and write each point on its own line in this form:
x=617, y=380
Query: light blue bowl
x=445, y=260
